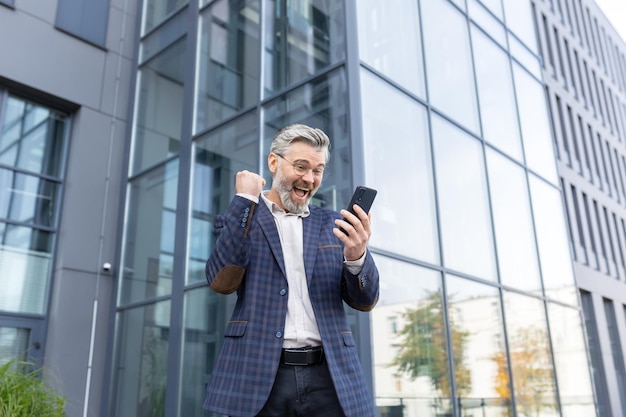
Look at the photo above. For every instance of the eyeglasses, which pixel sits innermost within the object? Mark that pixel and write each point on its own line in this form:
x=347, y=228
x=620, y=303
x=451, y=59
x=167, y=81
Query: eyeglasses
x=302, y=168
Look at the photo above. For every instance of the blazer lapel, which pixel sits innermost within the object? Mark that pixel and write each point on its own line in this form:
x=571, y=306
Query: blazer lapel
x=268, y=226
x=312, y=226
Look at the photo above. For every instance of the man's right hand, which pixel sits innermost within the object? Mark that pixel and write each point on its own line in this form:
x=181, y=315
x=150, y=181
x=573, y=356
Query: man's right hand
x=247, y=182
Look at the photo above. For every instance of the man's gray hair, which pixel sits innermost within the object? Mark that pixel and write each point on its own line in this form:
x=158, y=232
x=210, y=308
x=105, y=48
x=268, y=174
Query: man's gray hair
x=300, y=133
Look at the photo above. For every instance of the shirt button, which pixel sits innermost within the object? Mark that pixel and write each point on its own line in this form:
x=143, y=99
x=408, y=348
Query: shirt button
x=283, y=291
x=279, y=335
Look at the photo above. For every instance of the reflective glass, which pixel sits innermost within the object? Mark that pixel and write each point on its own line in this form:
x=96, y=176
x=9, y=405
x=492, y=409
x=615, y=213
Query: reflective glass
x=523, y=55
x=519, y=19
x=169, y=32
x=571, y=361
x=228, y=73
x=497, y=100
x=25, y=258
x=140, y=367
x=495, y=6
x=13, y=344
x=219, y=155
x=148, y=250
x=515, y=238
x=536, y=131
x=322, y=103
x=390, y=41
x=451, y=86
x=159, y=107
x=466, y=232
x=32, y=137
x=531, y=363
x=301, y=38
x=405, y=122
x=552, y=239
x=409, y=345
x=28, y=199
x=157, y=11
x=485, y=20
x=206, y=315
x=477, y=332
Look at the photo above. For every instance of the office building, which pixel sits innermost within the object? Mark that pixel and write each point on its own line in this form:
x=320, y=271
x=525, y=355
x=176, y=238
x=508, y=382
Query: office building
x=584, y=68
x=123, y=123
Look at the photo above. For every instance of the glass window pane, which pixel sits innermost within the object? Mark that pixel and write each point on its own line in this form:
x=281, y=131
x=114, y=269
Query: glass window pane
x=598, y=371
x=552, y=239
x=13, y=344
x=390, y=41
x=321, y=104
x=463, y=202
x=159, y=107
x=497, y=100
x=495, y=6
x=218, y=157
x=476, y=328
x=206, y=315
x=140, y=370
x=449, y=62
x=148, y=248
x=301, y=38
x=409, y=348
x=570, y=359
x=25, y=257
x=515, y=237
x=531, y=363
x=616, y=350
x=519, y=19
x=28, y=199
x=32, y=137
x=406, y=121
x=487, y=22
x=228, y=73
x=536, y=131
x=86, y=19
x=156, y=11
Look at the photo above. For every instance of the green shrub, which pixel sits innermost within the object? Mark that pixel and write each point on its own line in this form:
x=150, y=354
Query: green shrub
x=24, y=394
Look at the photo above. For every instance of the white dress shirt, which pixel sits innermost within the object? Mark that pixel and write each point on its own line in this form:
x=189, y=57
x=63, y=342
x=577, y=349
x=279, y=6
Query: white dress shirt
x=300, y=324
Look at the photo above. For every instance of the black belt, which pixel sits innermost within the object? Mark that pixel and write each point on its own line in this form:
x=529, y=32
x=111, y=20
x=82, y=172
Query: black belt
x=302, y=356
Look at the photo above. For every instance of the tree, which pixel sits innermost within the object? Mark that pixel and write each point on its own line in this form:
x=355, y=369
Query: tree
x=423, y=349
x=532, y=372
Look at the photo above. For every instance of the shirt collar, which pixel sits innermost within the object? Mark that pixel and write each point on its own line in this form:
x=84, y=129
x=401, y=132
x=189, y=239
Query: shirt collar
x=275, y=208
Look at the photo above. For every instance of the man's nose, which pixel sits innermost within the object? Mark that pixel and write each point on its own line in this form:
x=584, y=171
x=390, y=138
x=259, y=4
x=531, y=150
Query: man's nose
x=309, y=177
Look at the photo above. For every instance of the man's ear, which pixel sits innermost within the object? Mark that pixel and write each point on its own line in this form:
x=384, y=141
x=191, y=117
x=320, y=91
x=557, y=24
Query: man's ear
x=272, y=163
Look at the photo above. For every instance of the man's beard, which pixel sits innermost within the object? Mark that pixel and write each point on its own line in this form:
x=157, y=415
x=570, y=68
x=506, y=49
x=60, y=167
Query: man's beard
x=284, y=188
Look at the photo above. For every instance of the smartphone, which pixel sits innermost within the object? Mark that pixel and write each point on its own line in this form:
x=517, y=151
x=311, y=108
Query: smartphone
x=362, y=197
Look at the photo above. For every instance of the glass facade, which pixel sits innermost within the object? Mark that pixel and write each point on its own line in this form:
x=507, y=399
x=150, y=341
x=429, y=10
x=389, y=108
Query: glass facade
x=478, y=311
x=33, y=141
x=585, y=83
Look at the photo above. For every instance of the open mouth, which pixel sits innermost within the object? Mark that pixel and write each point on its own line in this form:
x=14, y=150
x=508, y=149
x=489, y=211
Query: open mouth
x=301, y=193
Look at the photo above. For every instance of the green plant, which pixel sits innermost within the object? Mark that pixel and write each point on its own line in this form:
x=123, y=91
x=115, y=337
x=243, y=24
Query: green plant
x=24, y=394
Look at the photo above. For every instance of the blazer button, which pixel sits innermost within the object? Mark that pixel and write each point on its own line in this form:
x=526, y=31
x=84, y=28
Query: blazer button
x=283, y=291
x=279, y=335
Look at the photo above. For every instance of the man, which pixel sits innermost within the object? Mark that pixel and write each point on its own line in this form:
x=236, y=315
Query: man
x=288, y=349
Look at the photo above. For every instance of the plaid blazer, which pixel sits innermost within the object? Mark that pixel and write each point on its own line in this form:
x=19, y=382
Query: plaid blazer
x=248, y=258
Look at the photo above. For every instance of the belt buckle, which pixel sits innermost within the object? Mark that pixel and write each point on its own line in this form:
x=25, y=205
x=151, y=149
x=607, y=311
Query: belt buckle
x=295, y=357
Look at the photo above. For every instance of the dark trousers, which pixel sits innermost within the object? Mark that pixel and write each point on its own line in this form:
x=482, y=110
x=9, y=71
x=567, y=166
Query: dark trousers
x=302, y=391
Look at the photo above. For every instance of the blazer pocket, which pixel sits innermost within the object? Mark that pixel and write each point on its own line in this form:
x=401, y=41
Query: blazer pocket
x=348, y=339
x=236, y=328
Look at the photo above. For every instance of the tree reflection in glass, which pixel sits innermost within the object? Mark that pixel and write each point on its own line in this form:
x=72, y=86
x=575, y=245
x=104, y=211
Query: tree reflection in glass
x=421, y=353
